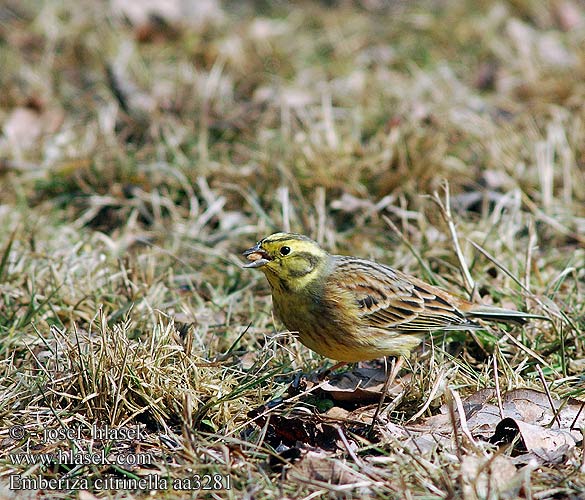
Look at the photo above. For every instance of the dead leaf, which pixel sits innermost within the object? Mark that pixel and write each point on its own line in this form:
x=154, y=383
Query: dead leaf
x=489, y=477
x=532, y=438
x=362, y=385
x=526, y=414
x=436, y=423
x=284, y=455
x=526, y=405
x=533, y=407
x=296, y=427
x=484, y=421
x=545, y=457
x=482, y=417
x=323, y=467
x=337, y=413
x=475, y=400
x=426, y=444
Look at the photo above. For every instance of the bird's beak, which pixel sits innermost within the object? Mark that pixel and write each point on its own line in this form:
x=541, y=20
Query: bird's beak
x=257, y=257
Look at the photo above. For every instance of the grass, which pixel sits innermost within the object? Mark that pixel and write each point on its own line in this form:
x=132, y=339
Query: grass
x=138, y=158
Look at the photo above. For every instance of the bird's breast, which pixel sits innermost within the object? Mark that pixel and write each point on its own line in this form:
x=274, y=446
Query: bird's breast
x=323, y=323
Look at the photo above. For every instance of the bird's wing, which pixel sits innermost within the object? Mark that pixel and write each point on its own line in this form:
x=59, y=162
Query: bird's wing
x=389, y=299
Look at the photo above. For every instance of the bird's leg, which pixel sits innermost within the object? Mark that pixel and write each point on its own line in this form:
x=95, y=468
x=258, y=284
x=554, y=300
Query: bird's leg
x=325, y=373
x=395, y=368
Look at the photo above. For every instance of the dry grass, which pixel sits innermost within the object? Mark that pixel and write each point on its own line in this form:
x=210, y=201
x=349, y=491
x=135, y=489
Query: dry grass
x=139, y=158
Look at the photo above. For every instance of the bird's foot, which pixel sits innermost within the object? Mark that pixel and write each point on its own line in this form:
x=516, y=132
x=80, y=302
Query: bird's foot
x=324, y=374
x=392, y=374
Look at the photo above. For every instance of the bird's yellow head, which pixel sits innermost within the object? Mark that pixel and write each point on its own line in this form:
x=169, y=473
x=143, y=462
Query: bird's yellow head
x=288, y=260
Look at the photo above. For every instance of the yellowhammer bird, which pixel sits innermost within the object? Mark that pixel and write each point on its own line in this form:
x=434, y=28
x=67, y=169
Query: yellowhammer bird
x=351, y=309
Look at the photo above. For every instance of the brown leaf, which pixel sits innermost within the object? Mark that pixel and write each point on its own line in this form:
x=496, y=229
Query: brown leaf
x=482, y=417
x=323, y=467
x=527, y=405
x=337, y=413
x=437, y=423
x=484, y=475
x=484, y=421
x=533, y=407
x=296, y=427
x=549, y=444
x=362, y=385
x=526, y=414
x=425, y=444
x=283, y=455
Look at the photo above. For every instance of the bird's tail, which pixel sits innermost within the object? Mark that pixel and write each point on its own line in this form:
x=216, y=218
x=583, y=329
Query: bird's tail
x=490, y=313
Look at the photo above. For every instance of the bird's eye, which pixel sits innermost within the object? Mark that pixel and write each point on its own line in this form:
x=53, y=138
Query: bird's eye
x=284, y=250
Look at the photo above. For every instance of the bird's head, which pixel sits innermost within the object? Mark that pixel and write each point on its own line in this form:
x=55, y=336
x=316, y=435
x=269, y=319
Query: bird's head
x=291, y=260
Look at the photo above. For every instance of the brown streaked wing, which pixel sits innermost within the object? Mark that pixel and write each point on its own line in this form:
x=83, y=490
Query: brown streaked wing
x=387, y=298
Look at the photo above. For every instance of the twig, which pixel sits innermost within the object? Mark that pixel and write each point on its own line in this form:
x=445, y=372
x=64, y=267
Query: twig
x=462, y=417
x=549, y=397
x=390, y=377
x=453, y=419
x=575, y=420
x=351, y=453
x=497, y=382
